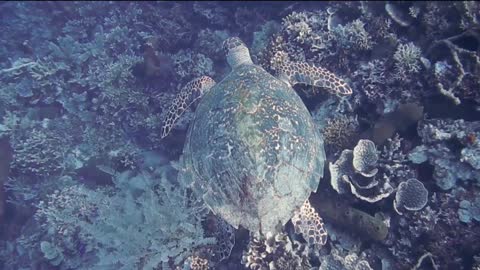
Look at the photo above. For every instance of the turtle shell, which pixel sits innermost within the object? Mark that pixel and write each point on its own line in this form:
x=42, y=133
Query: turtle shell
x=252, y=151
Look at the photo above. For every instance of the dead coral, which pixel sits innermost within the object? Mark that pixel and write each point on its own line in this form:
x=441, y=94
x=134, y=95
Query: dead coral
x=466, y=62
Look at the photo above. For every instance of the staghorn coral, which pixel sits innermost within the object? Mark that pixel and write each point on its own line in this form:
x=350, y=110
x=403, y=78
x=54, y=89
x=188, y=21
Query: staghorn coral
x=393, y=159
x=399, y=15
x=434, y=19
x=301, y=25
x=213, y=12
x=314, y=35
x=456, y=77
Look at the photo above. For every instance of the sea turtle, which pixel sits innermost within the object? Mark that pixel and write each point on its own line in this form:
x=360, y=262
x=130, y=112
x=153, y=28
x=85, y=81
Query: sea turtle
x=252, y=150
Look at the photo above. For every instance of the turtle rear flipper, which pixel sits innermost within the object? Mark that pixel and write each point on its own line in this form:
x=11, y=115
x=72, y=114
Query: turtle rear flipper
x=191, y=92
x=307, y=222
x=304, y=73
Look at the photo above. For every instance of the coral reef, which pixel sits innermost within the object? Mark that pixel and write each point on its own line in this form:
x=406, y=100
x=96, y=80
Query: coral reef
x=77, y=218
x=338, y=132
x=275, y=252
x=449, y=145
x=339, y=259
x=85, y=179
x=469, y=211
x=407, y=60
x=348, y=173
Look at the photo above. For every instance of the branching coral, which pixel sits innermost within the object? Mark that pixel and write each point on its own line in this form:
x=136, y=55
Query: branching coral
x=209, y=42
x=189, y=64
x=350, y=262
x=338, y=132
x=465, y=79
x=373, y=78
x=142, y=231
x=275, y=252
x=41, y=153
x=353, y=35
x=407, y=60
x=198, y=263
x=435, y=20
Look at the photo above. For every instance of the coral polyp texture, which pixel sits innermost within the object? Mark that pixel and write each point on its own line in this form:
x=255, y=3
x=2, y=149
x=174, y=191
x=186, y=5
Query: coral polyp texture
x=365, y=158
x=195, y=135
x=411, y=195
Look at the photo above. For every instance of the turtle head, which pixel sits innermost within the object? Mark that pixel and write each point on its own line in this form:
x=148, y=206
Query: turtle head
x=236, y=52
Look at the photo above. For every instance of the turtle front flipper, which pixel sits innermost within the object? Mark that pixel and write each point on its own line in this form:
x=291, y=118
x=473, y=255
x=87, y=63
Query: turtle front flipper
x=304, y=73
x=191, y=92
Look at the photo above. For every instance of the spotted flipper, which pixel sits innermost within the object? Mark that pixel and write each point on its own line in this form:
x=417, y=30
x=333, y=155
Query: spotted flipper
x=303, y=73
x=191, y=92
x=307, y=222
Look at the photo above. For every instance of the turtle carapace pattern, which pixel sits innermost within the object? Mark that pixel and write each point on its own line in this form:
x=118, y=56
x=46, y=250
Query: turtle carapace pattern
x=253, y=152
